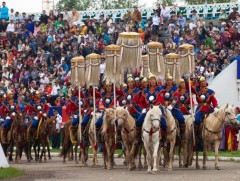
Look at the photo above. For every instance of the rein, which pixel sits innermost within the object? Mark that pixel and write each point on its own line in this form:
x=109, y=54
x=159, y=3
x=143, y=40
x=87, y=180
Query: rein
x=152, y=131
x=124, y=128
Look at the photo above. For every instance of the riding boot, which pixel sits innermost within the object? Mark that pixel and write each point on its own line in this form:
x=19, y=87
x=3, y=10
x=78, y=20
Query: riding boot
x=73, y=134
x=138, y=136
x=4, y=136
x=182, y=131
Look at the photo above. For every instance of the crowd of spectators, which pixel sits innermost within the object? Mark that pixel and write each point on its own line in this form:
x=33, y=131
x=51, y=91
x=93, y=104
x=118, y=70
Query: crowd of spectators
x=35, y=52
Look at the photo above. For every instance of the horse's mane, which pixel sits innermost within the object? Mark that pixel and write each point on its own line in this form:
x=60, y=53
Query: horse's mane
x=105, y=124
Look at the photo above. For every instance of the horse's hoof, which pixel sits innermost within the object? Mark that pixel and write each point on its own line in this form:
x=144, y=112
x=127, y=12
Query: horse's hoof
x=169, y=169
x=10, y=159
x=50, y=158
x=180, y=166
x=204, y=168
x=186, y=166
x=29, y=160
x=217, y=168
x=85, y=164
x=197, y=167
x=125, y=163
x=145, y=166
x=40, y=161
x=149, y=171
x=109, y=168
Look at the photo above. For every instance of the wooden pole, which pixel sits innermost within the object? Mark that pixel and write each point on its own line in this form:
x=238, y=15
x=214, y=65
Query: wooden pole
x=115, y=116
x=94, y=117
x=80, y=115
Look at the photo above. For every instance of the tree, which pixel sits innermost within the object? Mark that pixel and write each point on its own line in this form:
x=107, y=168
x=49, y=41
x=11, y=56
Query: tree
x=69, y=4
x=190, y=2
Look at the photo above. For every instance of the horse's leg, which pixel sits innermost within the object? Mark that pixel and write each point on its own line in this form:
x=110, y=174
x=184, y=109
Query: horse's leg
x=148, y=157
x=145, y=157
x=140, y=166
x=171, y=155
x=204, y=154
x=44, y=151
x=49, y=153
x=216, y=146
x=166, y=157
x=108, y=156
x=35, y=151
x=155, y=155
x=75, y=151
x=11, y=150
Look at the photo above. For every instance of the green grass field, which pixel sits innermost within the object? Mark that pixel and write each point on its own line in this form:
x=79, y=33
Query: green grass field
x=6, y=173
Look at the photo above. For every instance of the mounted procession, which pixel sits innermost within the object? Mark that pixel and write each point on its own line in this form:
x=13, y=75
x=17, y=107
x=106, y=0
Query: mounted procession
x=146, y=105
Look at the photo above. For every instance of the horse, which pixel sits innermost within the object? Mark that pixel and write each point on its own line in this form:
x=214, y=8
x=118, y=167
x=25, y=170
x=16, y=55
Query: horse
x=212, y=130
x=108, y=132
x=18, y=138
x=151, y=136
x=189, y=142
x=67, y=143
x=171, y=136
x=127, y=125
x=47, y=128
x=92, y=140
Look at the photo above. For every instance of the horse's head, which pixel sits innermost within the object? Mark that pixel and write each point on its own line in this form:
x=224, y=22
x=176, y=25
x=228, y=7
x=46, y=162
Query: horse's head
x=20, y=119
x=109, y=116
x=122, y=115
x=154, y=114
x=51, y=125
x=229, y=115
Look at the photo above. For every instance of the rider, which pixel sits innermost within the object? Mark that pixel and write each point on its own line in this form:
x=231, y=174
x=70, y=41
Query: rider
x=89, y=103
x=72, y=110
x=3, y=109
x=206, y=100
x=131, y=98
x=120, y=99
x=184, y=97
x=150, y=96
x=12, y=107
x=171, y=97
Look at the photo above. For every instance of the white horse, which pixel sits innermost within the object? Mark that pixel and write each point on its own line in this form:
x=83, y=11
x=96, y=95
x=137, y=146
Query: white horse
x=212, y=130
x=151, y=136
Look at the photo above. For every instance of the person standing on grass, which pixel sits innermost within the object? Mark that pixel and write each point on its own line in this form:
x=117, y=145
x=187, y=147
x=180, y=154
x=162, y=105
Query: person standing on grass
x=56, y=136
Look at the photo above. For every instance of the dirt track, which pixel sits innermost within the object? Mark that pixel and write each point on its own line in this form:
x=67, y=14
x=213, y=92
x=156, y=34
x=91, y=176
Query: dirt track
x=56, y=170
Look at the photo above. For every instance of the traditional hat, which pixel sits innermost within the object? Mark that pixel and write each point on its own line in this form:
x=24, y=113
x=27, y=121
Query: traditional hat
x=181, y=80
x=202, y=79
x=143, y=79
x=130, y=79
x=123, y=85
x=108, y=83
x=151, y=76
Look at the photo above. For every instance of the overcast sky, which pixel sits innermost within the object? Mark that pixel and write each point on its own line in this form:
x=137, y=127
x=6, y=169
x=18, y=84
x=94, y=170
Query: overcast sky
x=36, y=5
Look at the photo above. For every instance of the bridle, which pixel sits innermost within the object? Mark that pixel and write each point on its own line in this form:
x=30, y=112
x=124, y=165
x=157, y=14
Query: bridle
x=124, y=128
x=153, y=129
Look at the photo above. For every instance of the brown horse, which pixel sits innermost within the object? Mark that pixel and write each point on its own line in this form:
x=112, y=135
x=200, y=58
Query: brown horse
x=18, y=138
x=109, y=137
x=67, y=144
x=127, y=125
x=47, y=128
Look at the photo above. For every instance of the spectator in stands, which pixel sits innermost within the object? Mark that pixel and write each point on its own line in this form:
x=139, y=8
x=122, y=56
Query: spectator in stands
x=223, y=16
x=137, y=16
x=4, y=11
x=158, y=10
x=195, y=16
x=181, y=20
x=233, y=14
x=165, y=13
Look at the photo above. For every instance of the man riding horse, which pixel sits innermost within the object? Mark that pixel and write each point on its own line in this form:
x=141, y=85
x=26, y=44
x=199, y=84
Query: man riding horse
x=206, y=100
x=37, y=108
x=170, y=96
x=72, y=110
x=11, y=107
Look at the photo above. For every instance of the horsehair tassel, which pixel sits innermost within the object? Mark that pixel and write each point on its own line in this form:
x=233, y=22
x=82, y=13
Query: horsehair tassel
x=158, y=60
x=115, y=62
x=174, y=67
x=90, y=69
x=76, y=78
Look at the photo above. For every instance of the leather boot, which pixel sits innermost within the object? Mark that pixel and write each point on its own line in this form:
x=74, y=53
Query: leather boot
x=73, y=134
x=138, y=136
x=182, y=131
x=4, y=136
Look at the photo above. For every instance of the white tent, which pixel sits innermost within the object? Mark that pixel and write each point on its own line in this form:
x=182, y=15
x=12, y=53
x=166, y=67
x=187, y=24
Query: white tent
x=3, y=160
x=225, y=86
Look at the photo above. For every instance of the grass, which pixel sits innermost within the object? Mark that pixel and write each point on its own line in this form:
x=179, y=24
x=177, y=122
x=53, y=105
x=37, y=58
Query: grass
x=6, y=173
x=223, y=153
